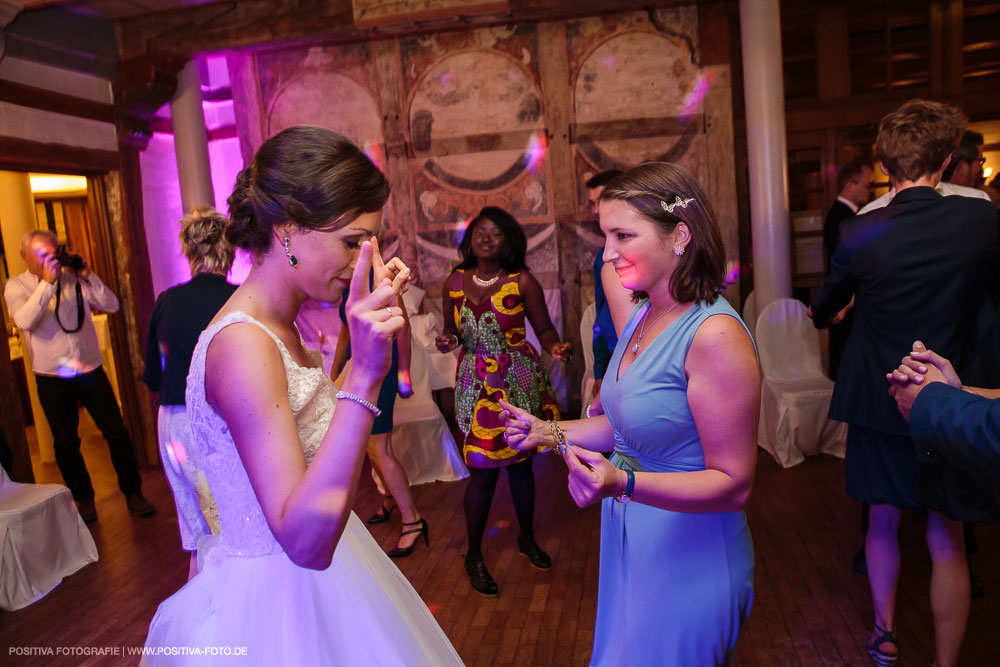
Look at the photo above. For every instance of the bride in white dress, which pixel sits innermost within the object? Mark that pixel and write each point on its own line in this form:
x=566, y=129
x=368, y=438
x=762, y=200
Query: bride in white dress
x=294, y=578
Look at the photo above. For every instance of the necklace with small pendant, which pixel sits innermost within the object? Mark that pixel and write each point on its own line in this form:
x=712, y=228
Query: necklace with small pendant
x=642, y=327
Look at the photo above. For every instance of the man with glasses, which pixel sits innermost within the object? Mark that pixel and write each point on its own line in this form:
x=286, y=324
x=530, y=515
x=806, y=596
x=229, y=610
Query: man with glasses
x=966, y=166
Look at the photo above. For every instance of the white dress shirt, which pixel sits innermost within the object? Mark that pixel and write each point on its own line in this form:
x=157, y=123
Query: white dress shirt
x=943, y=188
x=54, y=352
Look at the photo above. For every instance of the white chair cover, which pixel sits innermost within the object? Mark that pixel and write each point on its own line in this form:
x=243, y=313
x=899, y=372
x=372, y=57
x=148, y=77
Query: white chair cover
x=795, y=396
x=42, y=540
x=586, y=342
x=421, y=439
x=750, y=314
x=441, y=368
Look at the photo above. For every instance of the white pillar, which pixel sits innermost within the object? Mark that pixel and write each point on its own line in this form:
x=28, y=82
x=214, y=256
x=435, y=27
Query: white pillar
x=760, y=28
x=191, y=140
x=17, y=211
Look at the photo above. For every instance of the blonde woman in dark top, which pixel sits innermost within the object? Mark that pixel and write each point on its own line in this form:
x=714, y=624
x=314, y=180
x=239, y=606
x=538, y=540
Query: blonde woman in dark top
x=180, y=315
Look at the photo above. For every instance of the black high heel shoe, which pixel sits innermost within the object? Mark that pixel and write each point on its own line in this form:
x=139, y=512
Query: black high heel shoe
x=383, y=514
x=421, y=524
x=480, y=578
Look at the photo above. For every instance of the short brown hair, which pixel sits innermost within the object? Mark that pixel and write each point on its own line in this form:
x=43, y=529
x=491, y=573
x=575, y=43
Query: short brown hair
x=203, y=235
x=915, y=139
x=700, y=274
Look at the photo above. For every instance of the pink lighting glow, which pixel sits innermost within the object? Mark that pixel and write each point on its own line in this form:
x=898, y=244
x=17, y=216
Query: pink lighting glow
x=696, y=97
x=537, y=147
x=374, y=152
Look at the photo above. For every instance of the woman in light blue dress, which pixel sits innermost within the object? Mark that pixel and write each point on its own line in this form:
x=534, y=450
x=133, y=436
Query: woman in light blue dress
x=681, y=399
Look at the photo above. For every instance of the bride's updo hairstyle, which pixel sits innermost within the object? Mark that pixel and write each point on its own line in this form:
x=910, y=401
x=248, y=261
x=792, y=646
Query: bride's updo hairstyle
x=307, y=175
x=667, y=194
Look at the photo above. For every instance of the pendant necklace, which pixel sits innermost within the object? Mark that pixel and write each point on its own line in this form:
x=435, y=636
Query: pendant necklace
x=485, y=283
x=642, y=326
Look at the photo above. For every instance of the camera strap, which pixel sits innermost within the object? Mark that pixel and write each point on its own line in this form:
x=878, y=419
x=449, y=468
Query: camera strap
x=79, y=305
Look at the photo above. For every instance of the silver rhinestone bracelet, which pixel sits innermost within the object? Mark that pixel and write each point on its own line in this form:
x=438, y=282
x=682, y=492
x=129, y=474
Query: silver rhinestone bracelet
x=371, y=407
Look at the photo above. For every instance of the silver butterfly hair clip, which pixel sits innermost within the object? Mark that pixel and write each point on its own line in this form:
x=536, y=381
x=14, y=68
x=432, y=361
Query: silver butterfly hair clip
x=669, y=208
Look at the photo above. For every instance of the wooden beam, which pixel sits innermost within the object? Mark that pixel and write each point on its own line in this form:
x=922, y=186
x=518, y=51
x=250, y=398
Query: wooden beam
x=553, y=64
x=397, y=168
x=24, y=155
x=635, y=128
x=221, y=26
x=49, y=100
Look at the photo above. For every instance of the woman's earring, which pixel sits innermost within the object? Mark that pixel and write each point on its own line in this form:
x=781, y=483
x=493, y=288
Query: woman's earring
x=293, y=260
x=678, y=249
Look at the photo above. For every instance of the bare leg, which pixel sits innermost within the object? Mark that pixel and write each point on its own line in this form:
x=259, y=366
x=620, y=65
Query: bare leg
x=949, y=586
x=882, y=554
x=394, y=478
x=193, y=567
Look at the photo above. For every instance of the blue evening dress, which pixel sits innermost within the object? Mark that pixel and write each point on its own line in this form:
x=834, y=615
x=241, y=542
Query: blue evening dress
x=675, y=588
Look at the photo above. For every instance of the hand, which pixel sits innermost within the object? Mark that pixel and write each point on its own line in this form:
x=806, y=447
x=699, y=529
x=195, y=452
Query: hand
x=924, y=356
x=84, y=272
x=51, y=268
x=839, y=317
x=371, y=321
x=446, y=344
x=591, y=476
x=561, y=351
x=912, y=376
x=392, y=270
x=523, y=429
x=405, y=389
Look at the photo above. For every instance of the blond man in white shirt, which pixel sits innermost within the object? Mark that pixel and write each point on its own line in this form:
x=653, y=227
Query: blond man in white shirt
x=51, y=304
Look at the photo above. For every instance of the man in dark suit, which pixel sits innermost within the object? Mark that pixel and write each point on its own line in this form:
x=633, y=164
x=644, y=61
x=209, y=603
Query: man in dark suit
x=855, y=183
x=920, y=265
x=948, y=420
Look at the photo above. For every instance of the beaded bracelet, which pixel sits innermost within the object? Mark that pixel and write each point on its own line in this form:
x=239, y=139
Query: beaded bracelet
x=587, y=411
x=371, y=407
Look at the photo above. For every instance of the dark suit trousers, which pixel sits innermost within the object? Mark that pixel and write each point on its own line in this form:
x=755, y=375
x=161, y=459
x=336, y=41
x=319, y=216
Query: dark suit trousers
x=61, y=399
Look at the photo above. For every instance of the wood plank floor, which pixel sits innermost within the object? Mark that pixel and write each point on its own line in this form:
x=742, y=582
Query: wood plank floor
x=810, y=608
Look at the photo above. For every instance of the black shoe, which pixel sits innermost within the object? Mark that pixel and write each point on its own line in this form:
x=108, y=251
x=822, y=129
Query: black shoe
x=88, y=511
x=480, y=579
x=137, y=504
x=538, y=558
x=976, y=586
x=858, y=563
x=419, y=526
x=383, y=514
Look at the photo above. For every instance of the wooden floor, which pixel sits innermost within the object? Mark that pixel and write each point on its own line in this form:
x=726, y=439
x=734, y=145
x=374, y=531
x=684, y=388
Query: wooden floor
x=810, y=608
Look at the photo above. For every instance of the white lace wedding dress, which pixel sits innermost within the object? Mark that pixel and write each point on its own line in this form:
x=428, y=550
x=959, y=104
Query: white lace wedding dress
x=250, y=600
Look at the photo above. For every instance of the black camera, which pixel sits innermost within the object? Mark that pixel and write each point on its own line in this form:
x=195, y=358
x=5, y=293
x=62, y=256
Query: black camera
x=67, y=259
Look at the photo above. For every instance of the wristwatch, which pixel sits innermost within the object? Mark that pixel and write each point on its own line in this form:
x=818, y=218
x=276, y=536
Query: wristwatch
x=626, y=495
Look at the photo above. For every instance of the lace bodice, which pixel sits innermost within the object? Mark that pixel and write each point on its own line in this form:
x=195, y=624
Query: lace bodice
x=243, y=529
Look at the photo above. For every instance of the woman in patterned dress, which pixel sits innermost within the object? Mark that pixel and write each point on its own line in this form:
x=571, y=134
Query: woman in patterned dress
x=488, y=296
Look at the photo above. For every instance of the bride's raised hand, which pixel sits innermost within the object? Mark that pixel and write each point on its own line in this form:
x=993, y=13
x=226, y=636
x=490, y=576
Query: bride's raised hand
x=524, y=430
x=372, y=320
x=395, y=270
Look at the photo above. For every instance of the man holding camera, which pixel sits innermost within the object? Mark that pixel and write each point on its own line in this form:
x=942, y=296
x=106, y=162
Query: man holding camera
x=50, y=303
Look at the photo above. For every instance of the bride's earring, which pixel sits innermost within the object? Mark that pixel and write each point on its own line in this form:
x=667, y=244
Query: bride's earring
x=292, y=259
x=678, y=249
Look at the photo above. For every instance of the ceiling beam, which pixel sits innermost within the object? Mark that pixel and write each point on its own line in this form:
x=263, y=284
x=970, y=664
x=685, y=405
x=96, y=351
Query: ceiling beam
x=222, y=26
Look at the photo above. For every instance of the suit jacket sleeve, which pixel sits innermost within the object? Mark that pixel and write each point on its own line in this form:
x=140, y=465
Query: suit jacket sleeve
x=962, y=428
x=837, y=288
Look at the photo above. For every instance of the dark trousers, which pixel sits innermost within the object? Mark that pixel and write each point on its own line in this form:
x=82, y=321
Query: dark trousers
x=61, y=399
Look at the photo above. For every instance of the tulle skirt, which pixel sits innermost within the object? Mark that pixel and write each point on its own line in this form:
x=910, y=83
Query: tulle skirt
x=268, y=611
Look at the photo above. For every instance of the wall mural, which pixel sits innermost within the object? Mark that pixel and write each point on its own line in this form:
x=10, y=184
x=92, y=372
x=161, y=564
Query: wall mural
x=637, y=90
x=476, y=128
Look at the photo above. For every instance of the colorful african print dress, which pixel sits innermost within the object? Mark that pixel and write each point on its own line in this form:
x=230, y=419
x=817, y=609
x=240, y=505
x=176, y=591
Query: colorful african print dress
x=495, y=361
